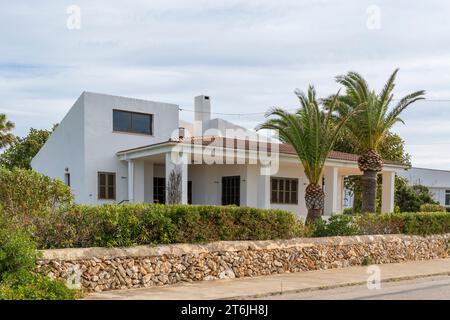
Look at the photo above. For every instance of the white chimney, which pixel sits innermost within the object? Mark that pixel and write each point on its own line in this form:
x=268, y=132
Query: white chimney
x=202, y=108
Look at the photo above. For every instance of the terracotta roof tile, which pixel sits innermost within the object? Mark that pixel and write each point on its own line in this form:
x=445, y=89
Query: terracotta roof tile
x=283, y=148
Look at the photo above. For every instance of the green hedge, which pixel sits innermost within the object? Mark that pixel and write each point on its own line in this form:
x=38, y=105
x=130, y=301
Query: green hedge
x=137, y=224
x=412, y=223
x=430, y=207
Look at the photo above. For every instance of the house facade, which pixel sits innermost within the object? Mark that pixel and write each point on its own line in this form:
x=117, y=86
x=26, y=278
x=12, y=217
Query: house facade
x=112, y=149
x=437, y=181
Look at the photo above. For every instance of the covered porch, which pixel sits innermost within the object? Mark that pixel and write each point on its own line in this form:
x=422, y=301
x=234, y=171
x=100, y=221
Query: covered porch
x=239, y=182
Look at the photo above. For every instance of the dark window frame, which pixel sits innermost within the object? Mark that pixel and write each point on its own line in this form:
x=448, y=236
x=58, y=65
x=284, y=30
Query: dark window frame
x=67, y=179
x=130, y=130
x=108, y=184
x=447, y=197
x=284, y=190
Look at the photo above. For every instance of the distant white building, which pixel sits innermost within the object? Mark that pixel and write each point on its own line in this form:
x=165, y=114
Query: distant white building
x=112, y=149
x=438, y=181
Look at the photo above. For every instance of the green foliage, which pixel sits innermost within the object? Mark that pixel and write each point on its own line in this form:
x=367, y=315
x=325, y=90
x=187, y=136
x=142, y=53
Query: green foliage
x=18, y=257
x=23, y=150
x=348, y=211
x=427, y=223
x=311, y=131
x=25, y=194
x=18, y=252
x=392, y=223
x=430, y=207
x=138, y=224
x=410, y=199
x=367, y=129
x=337, y=225
x=36, y=287
x=6, y=137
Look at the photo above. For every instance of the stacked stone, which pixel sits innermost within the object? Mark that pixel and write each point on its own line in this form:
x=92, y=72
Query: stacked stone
x=167, y=265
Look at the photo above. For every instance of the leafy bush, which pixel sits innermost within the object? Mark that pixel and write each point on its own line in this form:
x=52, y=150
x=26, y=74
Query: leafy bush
x=426, y=223
x=432, y=208
x=36, y=287
x=409, y=199
x=337, y=225
x=348, y=211
x=18, y=253
x=18, y=256
x=393, y=223
x=137, y=224
x=25, y=194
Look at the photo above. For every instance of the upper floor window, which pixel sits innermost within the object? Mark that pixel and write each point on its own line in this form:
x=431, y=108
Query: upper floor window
x=126, y=121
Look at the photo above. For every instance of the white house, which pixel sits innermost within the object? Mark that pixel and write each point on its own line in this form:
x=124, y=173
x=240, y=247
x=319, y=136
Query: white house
x=438, y=181
x=112, y=149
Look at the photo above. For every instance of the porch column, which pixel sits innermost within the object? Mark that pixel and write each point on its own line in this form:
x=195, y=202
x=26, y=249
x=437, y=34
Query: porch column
x=176, y=162
x=331, y=190
x=340, y=203
x=139, y=182
x=264, y=188
x=388, y=192
x=130, y=181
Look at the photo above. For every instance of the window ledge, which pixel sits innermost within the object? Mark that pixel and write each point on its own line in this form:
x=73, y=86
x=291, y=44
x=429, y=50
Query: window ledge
x=133, y=133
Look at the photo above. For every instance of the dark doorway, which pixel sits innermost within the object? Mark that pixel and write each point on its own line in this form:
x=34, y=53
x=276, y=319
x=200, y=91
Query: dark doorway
x=231, y=190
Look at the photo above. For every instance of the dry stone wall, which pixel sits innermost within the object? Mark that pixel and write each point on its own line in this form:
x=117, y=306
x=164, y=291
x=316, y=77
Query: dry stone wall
x=100, y=269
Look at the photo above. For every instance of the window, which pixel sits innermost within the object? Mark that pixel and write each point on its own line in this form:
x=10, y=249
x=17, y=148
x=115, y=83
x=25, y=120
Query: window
x=447, y=197
x=125, y=121
x=231, y=190
x=67, y=179
x=107, y=185
x=284, y=190
x=159, y=190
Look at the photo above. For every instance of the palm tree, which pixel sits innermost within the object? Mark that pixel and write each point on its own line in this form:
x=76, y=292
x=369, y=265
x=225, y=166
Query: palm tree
x=312, y=133
x=6, y=137
x=370, y=127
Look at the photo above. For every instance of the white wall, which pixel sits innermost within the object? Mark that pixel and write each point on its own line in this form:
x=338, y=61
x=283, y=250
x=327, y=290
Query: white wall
x=207, y=184
x=294, y=171
x=86, y=144
x=102, y=143
x=65, y=149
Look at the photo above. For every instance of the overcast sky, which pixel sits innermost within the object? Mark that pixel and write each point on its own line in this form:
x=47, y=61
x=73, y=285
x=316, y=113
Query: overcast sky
x=247, y=55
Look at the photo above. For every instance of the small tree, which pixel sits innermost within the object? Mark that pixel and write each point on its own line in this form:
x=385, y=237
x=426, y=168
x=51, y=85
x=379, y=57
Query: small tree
x=312, y=132
x=174, y=187
x=410, y=199
x=23, y=150
x=6, y=137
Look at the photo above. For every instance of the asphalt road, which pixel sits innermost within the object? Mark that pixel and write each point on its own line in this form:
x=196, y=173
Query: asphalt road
x=433, y=288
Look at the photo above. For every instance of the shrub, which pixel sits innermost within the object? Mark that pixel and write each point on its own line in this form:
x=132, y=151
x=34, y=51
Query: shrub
x=348, y=211
x=18, y=257
x=428, y=207
x=139, y=224
x=409, y=199
x=36, y=287
x=337, y=225
x=25, y=194
x=18, y=253
x=390, y=223
x=426, y=223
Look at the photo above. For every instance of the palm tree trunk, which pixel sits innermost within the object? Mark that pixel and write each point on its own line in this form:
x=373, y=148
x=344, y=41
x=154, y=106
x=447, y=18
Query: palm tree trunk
x=313, y=215
x=369, y=191
x=314, y=197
